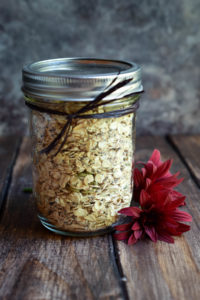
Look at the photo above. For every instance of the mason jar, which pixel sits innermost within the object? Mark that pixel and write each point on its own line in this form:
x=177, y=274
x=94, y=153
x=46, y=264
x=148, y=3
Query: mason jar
x=82, y=126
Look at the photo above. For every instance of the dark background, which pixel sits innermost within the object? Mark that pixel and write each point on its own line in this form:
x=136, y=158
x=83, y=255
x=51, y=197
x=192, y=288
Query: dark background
x=162, y=36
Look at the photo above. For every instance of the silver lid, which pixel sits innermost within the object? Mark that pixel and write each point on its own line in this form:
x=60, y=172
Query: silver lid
x=79, y=79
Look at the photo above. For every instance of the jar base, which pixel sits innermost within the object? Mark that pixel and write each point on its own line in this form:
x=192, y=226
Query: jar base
x=53, y=228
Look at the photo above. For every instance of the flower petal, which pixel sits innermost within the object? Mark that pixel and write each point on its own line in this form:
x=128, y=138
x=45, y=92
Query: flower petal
x=138, y=234
x=138, y=177
x=150, y=231
x=148, y=182
x=178, y=229
x=170, y=182
x=136, y=226
x=176, y=195
x=144, y=199
x=132, y=240
x=162, y=169
x=149, y=169
x=130, y=211
x=174, y=204
x=155, y=157
x=181, y=216
x=123, y=227
x=183, y=228
x=162, y=236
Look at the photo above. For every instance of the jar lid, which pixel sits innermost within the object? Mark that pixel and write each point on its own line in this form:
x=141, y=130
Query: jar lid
x=79, y=79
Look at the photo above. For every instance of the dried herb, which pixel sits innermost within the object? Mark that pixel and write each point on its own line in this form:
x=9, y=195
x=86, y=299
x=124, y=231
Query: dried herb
x=28, y=190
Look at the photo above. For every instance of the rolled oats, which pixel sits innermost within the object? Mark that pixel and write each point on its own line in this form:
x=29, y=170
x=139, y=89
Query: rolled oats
x=84, y=186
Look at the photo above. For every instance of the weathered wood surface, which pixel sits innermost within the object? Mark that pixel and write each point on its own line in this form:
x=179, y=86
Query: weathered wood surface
x=164, y=271
x=188, y=148
x=8, y=151
x=37, y=264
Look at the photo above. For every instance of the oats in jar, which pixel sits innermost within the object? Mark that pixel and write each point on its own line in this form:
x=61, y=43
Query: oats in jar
x=90, y=173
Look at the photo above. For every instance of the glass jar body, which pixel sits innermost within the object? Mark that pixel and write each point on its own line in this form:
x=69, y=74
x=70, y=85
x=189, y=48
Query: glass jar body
x=80, y=189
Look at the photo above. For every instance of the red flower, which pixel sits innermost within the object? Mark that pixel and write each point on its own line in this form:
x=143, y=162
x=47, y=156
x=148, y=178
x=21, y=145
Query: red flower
x=159, y=218
x=155, y=176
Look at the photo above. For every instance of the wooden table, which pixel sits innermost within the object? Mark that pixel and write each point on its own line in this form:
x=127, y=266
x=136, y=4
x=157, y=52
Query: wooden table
x=37, y=264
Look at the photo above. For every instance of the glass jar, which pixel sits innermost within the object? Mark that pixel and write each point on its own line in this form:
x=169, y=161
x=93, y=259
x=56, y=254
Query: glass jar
x=82, y=158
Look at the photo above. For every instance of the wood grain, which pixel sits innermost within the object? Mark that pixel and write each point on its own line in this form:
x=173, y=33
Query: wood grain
x=8, y=149
x=189, y=149
x=37, y=264
x=165, y=271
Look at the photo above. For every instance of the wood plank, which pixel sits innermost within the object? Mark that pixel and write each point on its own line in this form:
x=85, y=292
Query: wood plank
x=165, y=271
x=188, y=147
x=37, y=264
x=8, y=150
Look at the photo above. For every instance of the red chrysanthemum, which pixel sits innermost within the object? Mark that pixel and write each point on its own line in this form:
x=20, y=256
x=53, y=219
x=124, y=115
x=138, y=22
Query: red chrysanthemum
x=155, y=176
x=159, y=218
